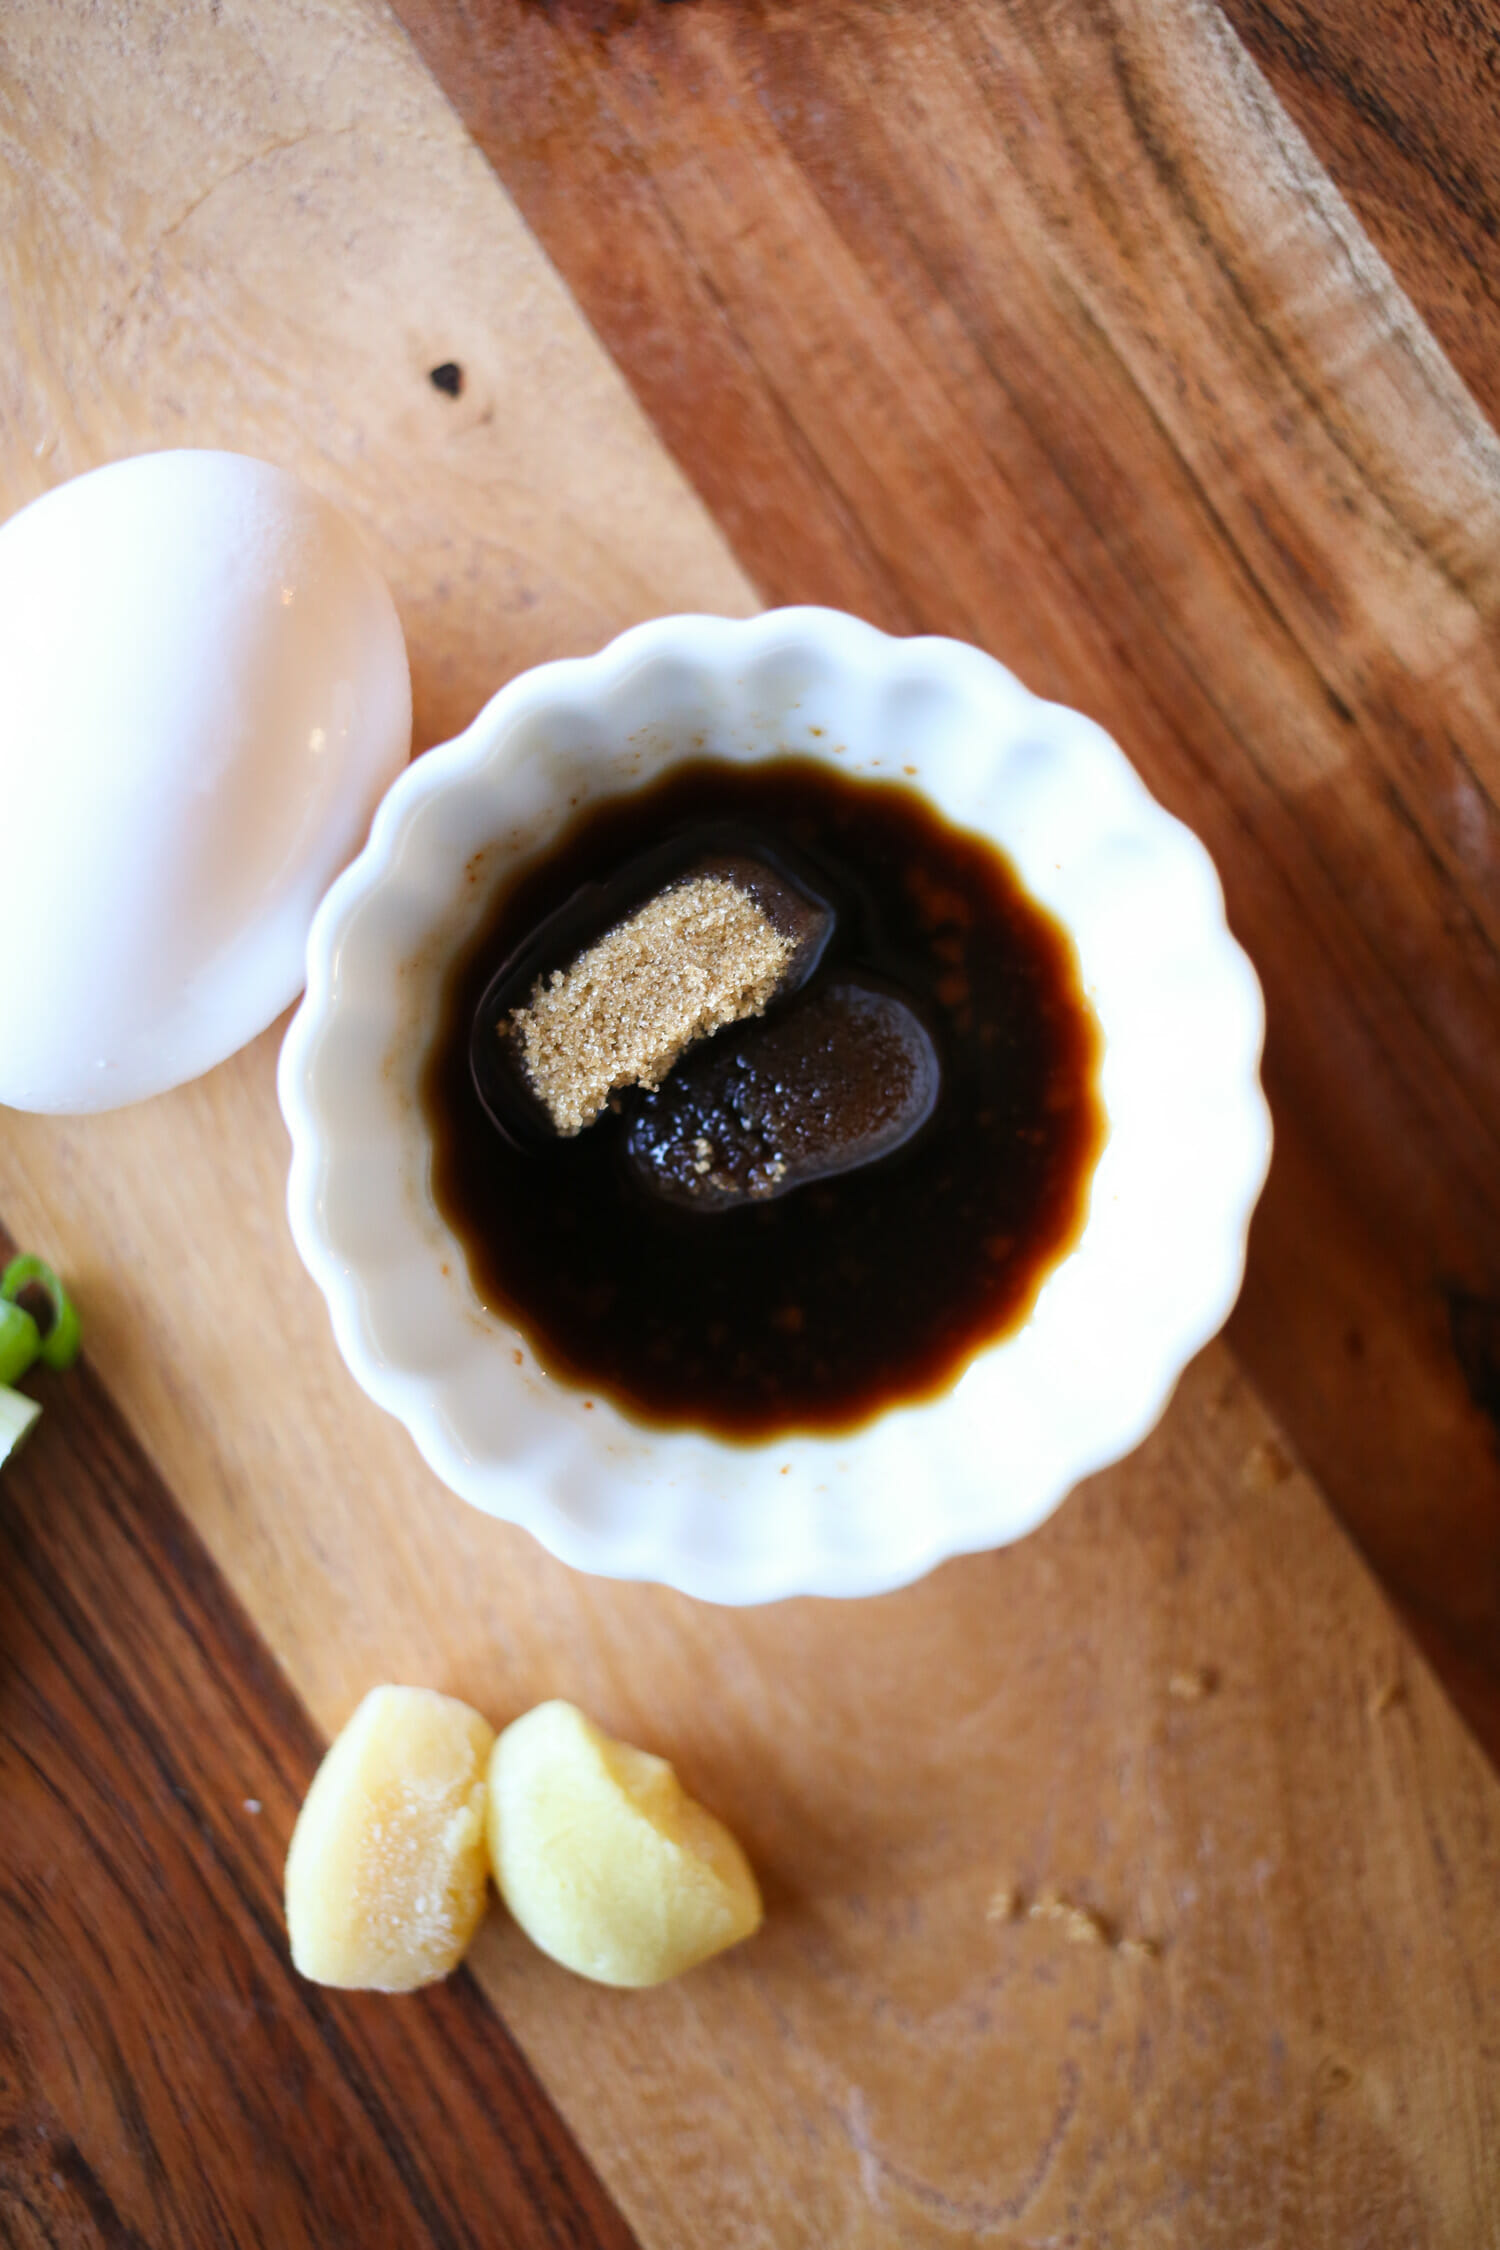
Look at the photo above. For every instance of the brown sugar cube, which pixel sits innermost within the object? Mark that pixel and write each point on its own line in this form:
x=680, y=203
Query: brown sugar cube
x=712, y=946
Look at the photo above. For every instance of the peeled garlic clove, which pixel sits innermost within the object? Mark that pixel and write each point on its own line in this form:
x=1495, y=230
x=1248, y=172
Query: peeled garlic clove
x=604, y=1860
x=385, y=1878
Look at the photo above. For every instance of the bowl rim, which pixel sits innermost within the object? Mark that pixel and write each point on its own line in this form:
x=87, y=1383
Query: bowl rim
x=524, y=1489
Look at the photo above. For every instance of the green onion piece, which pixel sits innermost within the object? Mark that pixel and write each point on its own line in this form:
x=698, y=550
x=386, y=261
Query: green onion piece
x=63, y=1335
x=20, y=1341
x=17, y=1414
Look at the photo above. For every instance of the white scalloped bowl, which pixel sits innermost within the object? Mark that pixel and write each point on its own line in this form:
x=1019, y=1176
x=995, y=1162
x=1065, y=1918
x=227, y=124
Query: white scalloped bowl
x=1152, y=1277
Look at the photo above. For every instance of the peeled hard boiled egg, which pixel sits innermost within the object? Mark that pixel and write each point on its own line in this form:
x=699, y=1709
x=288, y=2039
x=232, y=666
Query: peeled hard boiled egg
x=204, y=692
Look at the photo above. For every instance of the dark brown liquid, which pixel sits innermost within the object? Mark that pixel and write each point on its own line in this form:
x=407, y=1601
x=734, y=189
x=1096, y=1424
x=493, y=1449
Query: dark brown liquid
x=873, y=1289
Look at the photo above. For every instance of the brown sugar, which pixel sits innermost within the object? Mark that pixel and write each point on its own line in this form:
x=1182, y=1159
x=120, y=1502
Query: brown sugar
x=701, y=954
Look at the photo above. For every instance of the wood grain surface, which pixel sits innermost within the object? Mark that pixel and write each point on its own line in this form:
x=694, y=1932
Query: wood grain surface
x=1399, y=103
x=278, y=261
x=1131, y=1885
x=1040, y=325
x=165, y=2077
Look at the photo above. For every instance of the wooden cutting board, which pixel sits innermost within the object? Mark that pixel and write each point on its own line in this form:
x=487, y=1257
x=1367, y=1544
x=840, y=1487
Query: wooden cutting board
x=1136, y=1883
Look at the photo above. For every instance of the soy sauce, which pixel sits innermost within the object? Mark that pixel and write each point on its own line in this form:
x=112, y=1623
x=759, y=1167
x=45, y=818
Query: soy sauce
x=873, y=1289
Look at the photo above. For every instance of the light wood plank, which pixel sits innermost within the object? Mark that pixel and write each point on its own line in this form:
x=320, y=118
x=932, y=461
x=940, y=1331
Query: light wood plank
x=261, y=227
x=1318, y=1863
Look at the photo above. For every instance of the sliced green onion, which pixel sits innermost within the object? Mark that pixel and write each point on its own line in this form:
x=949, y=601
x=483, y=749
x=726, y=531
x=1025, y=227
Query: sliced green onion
x=17, y=1414
x=63, y=1334
x=20, y=1341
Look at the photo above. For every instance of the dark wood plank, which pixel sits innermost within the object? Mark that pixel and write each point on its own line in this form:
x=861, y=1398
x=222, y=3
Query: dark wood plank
x=1023, y=321
x=165, y=2077
x=1399, y=98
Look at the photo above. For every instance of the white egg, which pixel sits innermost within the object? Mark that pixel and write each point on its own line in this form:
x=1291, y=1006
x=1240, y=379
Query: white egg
x=203, y=694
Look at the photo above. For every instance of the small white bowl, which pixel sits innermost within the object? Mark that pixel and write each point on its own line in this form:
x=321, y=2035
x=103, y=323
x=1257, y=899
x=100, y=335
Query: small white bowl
x=1153, y=1274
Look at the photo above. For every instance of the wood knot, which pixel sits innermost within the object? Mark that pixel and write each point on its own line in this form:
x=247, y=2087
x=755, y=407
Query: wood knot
x=1265, y=1466
x=1474, y=1327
